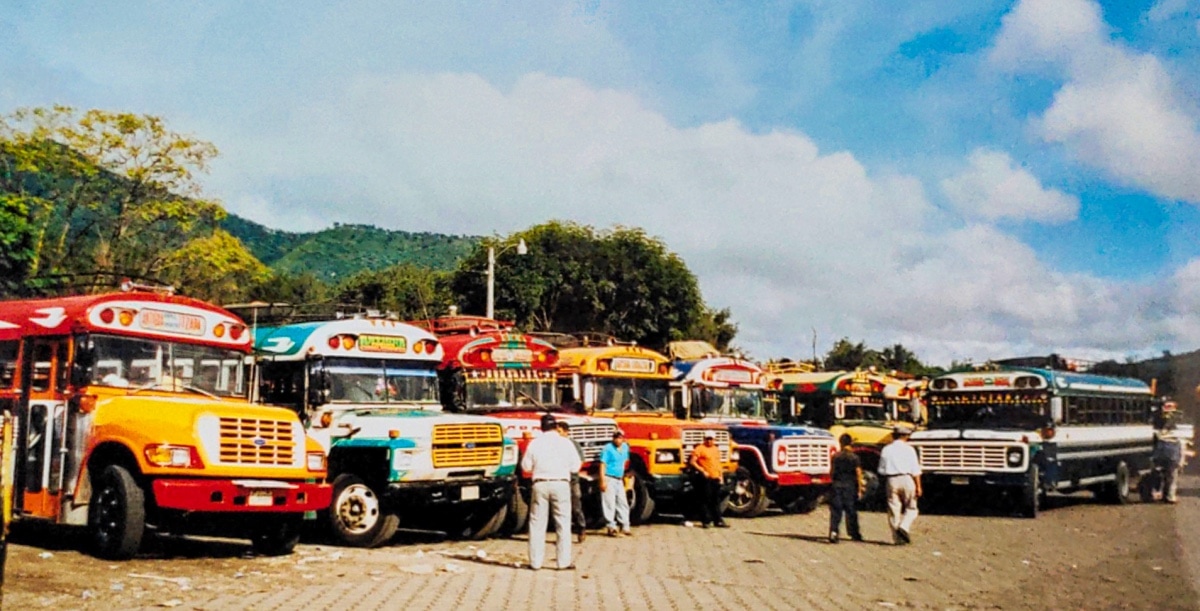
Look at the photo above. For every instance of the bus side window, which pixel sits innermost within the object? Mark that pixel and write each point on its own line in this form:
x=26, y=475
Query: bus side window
x=8, y=364
x=39, y=380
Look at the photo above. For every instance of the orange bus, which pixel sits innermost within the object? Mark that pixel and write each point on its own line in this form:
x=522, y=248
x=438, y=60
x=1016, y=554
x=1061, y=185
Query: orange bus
x=131, y=410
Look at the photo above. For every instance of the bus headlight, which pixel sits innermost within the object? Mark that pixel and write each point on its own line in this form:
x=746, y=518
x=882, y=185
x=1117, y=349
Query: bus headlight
x=666, y=456
x=183, y=457
x=1015, y=457
x=316, y=461
x=402, y=460
x=510, y=455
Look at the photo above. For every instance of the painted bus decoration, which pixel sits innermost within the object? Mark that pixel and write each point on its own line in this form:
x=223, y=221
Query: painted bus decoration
x=631, y=385
x=131, y=412
x=863, y=404
x=1030, y=426
x=368, y=390
x=491, y=368
x=787, y=464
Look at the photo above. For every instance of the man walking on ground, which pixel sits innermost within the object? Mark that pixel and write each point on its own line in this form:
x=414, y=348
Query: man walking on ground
x=900, y=468
x=844, y=493
x=612, y=485
x=706, y=459
x=550, y=460
x=578, y=520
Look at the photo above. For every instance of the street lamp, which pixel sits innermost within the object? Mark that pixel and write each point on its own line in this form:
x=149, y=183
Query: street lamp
x=522, y=249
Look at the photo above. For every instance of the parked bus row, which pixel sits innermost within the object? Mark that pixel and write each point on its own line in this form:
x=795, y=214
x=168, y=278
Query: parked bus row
x=144, y=410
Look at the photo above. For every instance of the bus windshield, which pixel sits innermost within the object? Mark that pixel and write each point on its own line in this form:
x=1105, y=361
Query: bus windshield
x=1027, y=414
x=631, y=395
x=508, y=394
x=361, y=380
x=870, y=412
x=125, y=362
x=728, y=402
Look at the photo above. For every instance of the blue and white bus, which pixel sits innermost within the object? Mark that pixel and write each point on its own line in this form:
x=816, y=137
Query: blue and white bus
x=1035, y=425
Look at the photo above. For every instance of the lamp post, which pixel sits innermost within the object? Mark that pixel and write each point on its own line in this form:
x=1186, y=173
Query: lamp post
x=522, y=249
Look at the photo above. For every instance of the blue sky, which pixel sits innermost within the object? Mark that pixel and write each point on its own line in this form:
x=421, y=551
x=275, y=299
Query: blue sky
x=972, y=179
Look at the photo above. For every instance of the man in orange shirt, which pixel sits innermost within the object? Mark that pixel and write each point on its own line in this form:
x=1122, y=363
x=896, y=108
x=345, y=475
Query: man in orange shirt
x=706, y=459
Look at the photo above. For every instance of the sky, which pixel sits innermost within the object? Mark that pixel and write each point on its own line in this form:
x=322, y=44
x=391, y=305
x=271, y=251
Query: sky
x=972, y=180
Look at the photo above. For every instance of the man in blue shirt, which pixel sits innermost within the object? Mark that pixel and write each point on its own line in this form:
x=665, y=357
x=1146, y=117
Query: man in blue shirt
x=613, y=458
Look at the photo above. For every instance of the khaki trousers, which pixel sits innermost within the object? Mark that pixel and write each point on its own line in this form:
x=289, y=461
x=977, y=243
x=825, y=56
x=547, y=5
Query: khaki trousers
x=902, y=502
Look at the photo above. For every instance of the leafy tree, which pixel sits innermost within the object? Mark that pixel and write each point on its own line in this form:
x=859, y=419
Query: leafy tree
x=410, y=291
x=296, y=289
x=118, y=190
x=848, y=355
x=897, y=357
x=715, y=327
x=621, y=282
x=18, y=237
x=215, y=268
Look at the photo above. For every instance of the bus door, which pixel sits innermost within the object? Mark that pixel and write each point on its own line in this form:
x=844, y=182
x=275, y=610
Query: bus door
x=43, y=442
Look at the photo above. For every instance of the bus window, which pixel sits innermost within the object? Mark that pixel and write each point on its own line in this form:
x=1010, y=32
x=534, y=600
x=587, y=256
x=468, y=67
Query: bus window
x=40, y=376
x=8, y=364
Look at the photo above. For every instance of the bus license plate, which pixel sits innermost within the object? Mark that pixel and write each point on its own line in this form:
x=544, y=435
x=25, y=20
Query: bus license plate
x=960, y=481
x=470, y=493
x=260, y=498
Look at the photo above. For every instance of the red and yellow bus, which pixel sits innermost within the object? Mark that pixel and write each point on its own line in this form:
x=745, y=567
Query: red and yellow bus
x=131, y=411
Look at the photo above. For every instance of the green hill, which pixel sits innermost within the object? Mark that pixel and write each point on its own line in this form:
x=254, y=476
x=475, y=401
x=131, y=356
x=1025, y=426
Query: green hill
x=342, y=250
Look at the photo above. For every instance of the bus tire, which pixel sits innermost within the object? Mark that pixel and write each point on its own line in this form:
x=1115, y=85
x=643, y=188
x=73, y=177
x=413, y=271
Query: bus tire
x=485, y=522
x=357, y=516
x=806, y=502
x=277, y=535
x=641, y=504
x=749, y=497
x=517, y=518
x=1031, y=494
x=117, y=514
x=1117, y=492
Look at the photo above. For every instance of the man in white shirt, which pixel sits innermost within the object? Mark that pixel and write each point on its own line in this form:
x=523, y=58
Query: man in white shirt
x=550, y=459
x=900, y=468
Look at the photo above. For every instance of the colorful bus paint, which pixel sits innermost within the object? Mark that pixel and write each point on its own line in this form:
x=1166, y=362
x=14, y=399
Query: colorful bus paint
x=1027, y=427
x=491, y=368
x=368, y=390
x=786, y=464
x=132, y=410
x=631, y=385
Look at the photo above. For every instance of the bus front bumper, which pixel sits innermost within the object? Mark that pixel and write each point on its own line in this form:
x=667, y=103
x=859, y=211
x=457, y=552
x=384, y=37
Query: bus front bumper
x=241, y=495
x=493, y=490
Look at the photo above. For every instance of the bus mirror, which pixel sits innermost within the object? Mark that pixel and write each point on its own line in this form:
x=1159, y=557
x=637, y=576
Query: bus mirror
x=1056, y=409
x=85, y=361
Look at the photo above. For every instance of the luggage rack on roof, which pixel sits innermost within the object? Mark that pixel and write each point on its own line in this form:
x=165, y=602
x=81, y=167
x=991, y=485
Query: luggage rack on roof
x=278, y=313
x=58, y=285
x=1053, y=361
x=460, y=324
x=579, y=339
x=789, y=367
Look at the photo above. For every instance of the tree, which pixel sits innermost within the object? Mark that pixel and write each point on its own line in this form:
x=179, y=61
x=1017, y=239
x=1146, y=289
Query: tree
x=18, y=237
x=714, y=327
x=282, y=287
x=116, y=191
x=621, y=282
x=410, y=291
x=215, y=268
x=848, y=355
x=897, y=357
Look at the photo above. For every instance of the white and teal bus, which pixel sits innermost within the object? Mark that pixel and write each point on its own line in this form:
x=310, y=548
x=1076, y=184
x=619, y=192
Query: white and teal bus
x=367, y=389
x=1031, y=426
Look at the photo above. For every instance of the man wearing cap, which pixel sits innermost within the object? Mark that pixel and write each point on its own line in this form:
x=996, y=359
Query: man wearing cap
x=900, y=468
x=613, y=458
x=550, y=459
x=706, y=459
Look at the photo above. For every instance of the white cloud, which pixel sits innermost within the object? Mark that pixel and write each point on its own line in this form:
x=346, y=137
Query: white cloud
x=993, y=188
x=1164, y=10
x=790, y=237
x=1119, y=110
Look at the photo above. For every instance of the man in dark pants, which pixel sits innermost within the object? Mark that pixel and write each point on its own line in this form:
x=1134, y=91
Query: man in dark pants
x=706, y=459
x=578, y=520
x=847, y=488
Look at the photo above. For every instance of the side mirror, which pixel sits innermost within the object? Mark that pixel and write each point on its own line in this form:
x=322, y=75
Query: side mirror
x=85, y=361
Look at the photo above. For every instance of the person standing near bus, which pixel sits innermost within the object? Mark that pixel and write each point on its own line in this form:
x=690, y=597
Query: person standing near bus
x=706, y=459
x=550, y=459
x=578, y=520
x=613, y=459
x=847, y=487
x=1168, y=455
x=901, y=469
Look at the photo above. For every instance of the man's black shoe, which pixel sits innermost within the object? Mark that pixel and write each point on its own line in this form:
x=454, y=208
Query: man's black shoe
x=833, y=537
x=903, y=536
x=705, y=525
x=856, y=537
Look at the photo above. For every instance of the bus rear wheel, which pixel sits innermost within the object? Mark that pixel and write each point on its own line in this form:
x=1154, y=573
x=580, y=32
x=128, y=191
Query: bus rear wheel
x=485, y=522
x=117, y=515
x=357, y=516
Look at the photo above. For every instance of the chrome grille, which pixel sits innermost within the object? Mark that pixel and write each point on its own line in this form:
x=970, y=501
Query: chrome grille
x=251, y=441
x=961, y=457
x=695, y=437
x=467, y=445
x=801, y=454
x=591, y=438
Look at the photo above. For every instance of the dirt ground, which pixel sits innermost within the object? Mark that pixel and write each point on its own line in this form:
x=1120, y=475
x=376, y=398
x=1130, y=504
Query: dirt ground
x=1079, y=554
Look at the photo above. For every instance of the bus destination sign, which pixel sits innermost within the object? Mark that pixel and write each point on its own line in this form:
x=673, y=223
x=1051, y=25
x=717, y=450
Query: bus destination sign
x=393, y=344
x=171, y=322
x=624, y=364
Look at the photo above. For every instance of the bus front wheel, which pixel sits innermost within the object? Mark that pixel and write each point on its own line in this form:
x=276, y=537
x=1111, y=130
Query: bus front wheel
x=117, y=515
x=1117, y=491
x=749, y=497
x=1031, y=494
x=641, y=504
x=277, y=535
x=357, y=516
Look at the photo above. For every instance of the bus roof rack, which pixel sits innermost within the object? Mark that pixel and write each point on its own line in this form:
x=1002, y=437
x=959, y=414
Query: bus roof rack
x=580, y=339
x=280, y=313
x=789, y=366
x=1053, y=361
x=58, y=285
x=460, y=324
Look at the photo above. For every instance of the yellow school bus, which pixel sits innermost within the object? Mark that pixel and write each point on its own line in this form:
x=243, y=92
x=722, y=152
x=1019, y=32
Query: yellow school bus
x=631, y=384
